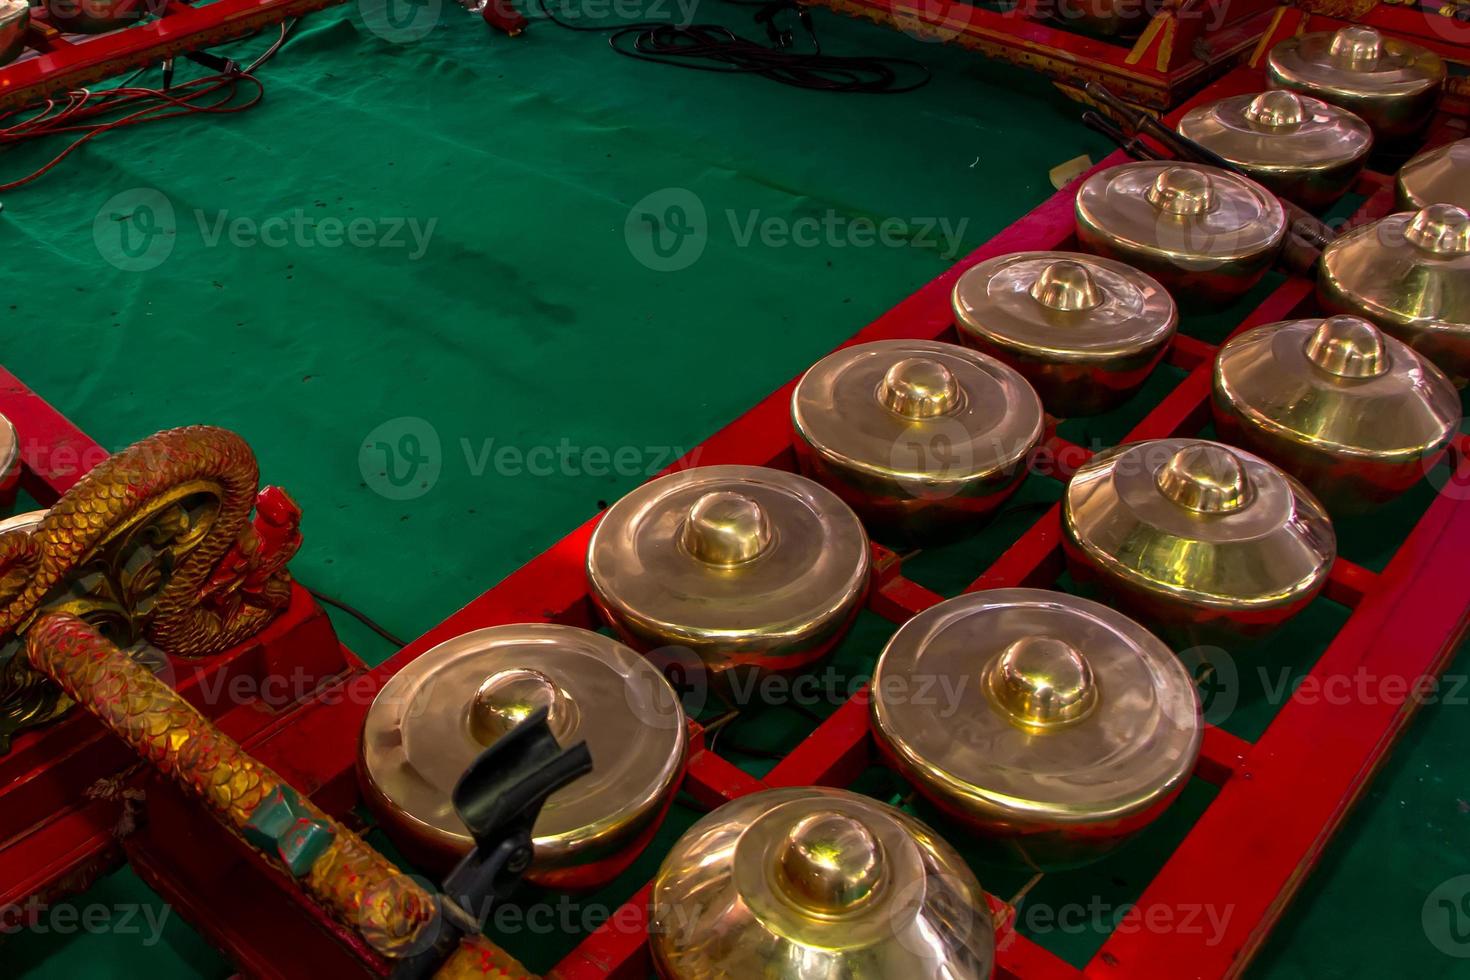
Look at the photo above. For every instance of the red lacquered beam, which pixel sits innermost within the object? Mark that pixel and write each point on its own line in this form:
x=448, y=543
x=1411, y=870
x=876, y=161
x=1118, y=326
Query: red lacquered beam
x=900, y=599
x=1188, y=353
x=833, y=755
x=62, y=856
x=713, y=780
x=54, y=453
x=1221, y=755
x=1035, y=560
x=1020, y=958
x=1348, y=583
x=61, y=66
x=617, y=949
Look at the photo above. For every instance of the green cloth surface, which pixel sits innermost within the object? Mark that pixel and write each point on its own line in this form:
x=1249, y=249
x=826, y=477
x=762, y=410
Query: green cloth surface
x=555, y=370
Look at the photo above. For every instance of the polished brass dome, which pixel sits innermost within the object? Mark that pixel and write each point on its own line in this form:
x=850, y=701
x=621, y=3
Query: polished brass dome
x=1437, y=176
x=1354, y=414
x=1206, y=234
x=922, y=439
x=731, y=566
x=1067, y=729
x=814, y=882
x=1196, y=538
x=1409, y=273
x=1392, y=84
x=1295, y=146
x=432, y=719
x=1085, y=331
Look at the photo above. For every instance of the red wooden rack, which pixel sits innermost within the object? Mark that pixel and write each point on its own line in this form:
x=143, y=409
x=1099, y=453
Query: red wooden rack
x=1182, y=46
x=54, y=62
x=1279, y=798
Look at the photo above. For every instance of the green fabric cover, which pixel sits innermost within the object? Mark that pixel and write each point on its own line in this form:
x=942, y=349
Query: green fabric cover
x=528, y=321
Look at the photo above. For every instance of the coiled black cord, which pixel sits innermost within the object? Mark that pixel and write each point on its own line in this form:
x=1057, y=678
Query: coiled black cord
x=715, y=48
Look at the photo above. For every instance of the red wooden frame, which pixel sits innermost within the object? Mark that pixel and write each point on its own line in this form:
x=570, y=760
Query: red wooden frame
x=1279, y=800
x=1181, y=48
x=55, y=62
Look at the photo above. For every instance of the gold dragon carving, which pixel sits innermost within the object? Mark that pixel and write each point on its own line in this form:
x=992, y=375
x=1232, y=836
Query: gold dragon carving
x=155, y=545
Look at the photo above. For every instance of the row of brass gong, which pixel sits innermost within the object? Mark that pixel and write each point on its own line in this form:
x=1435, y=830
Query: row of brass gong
x=1054, y=724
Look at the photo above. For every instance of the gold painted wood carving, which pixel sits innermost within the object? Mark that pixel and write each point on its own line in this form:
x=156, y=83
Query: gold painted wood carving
x=342, y=872
x=154, y=546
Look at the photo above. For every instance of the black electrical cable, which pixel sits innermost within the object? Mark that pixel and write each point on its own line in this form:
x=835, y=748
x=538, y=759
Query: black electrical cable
x=358, y=615
x=715, y=48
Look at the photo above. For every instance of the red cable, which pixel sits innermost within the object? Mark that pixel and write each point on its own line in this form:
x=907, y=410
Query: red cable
x=155, y=104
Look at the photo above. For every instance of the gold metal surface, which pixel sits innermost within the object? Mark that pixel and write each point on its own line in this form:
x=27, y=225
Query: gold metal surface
x=921, y=439
x=730, y=567
x=1355, y=415
x=1198, y=539
x=350, y=880
x=155, y=542
x=27, y=521
x=15, y=18
x=436, y=715
x=1066, y=726
x=813, y=882
x=1295, y=146
x=1392, y=84
x=1207, y=234
x=1437, y=176
x=9, y=441
x=1085, y=331
x=1409, y=273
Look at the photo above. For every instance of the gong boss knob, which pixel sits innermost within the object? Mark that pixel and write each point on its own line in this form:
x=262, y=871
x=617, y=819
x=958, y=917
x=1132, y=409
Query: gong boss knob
x=726, y=567
x=1085, y=331
x=1298, y=147
x=1207, y=234
x=1054, y=726
x=434, y=717
x=1354, y=414
x=833, y=881
x=1196, y=539
x=922, y=439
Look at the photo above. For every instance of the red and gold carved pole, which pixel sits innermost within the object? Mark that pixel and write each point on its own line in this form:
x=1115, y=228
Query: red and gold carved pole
x=337, y=868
